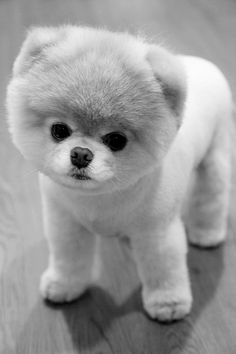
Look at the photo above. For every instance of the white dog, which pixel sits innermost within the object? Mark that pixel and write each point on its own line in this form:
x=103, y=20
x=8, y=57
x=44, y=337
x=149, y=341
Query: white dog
x=126, y=136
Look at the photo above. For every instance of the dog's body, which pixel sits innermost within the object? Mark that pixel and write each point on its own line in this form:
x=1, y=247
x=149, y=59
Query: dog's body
x=190, y=179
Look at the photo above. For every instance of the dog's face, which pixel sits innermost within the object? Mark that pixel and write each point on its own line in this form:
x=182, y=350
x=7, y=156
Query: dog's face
x=94, y=110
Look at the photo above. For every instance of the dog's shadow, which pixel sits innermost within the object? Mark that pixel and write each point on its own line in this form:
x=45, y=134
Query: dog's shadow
x=90, y=318
x=107, y=319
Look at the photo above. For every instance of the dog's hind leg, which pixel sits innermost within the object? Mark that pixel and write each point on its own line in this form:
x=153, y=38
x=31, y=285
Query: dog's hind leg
x=207, y=213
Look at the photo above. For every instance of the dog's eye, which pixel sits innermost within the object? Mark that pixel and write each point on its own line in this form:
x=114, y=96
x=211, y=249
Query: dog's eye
x=115, y=141
x=60, y=131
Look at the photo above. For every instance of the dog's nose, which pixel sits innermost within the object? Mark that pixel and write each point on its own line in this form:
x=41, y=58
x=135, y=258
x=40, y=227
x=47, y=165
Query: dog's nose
x=81, y=157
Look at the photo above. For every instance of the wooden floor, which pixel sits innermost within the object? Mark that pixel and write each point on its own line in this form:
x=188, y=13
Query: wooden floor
x=109, y=319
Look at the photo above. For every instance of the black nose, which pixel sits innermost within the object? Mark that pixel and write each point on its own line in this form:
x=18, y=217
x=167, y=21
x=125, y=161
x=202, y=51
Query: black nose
x=81, y=157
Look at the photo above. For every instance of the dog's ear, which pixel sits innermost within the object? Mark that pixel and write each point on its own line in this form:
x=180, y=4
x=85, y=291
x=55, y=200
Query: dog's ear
x=36, y=40
x=170, y=73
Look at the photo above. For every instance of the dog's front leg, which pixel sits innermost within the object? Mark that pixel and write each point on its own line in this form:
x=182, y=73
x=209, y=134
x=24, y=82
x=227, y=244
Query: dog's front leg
x=71, y=254
x=160, y=255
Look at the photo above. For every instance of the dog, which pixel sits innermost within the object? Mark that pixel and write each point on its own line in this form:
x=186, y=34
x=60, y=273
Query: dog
x=129, y=139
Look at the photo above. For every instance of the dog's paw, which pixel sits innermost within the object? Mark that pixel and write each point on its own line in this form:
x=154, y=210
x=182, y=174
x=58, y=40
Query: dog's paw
x=56, y=288
x=206, y=238
x=167, y=306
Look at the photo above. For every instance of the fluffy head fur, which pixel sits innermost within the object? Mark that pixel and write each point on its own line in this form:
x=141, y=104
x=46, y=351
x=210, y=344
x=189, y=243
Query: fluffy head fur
x=96, y=82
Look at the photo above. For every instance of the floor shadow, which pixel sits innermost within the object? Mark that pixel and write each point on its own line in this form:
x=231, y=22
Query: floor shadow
x=90, y=318
x=206, y=269
x=93, y=321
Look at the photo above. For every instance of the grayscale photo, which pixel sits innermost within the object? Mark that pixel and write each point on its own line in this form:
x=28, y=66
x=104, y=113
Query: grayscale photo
x=117, y=179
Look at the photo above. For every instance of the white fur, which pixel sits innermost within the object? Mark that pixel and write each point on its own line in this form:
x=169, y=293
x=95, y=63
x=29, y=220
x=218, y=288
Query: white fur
x=149, y=209
x=145, y=215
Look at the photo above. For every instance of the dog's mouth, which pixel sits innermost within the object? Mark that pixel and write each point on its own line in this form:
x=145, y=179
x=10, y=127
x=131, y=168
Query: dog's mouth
x=80, y=176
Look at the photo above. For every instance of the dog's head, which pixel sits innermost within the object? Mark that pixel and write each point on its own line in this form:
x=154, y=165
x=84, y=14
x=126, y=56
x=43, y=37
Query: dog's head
x=92, y=109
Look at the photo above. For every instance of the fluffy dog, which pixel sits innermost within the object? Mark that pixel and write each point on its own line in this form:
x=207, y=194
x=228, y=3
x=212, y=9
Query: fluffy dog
x=126, y=136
